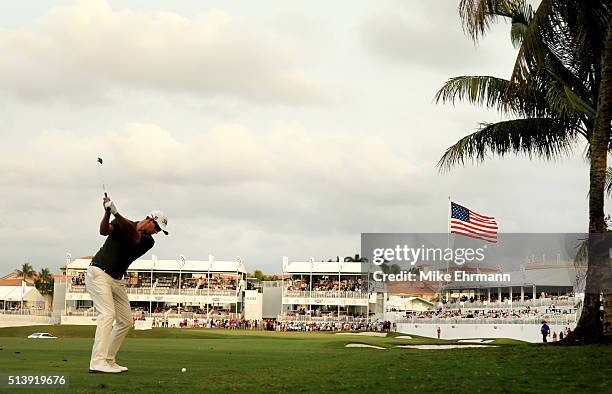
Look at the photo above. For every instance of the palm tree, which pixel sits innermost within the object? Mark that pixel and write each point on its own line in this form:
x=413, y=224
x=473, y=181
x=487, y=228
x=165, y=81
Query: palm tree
x=44, y=281
x=559, y=92
x=259, y=274
x=26, y=271
x=44, y=284
x=356, y=259
x=391, y=269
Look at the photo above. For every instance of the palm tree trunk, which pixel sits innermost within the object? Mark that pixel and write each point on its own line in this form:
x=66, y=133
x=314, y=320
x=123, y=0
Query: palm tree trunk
x=607, y=318
x=48, y=301
x=605, y=121
x=590, y=327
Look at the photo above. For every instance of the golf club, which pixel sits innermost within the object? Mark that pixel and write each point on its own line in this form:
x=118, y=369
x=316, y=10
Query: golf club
x=101, y=161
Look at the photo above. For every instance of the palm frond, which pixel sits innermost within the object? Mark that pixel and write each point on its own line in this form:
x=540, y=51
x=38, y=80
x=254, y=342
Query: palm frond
x=478, y=15
x=479, y=90
x=578, y=104
x=577, y=39
x=531, y=52
x=564, y=103
x=518, y=31
x=541, y=137
x=521, y=14
x=565, y=38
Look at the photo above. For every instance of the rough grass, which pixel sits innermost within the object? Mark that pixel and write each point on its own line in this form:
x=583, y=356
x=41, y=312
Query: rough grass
x=220, y=361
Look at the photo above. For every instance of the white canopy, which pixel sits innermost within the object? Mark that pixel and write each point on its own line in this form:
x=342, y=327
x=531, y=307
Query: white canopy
x=13, y=293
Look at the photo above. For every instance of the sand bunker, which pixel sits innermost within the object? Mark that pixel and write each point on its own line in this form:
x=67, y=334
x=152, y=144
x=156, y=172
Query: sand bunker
x=364, y=334
x=363, y=345
x=441, y=347
x=475, y=341
x=404, y=337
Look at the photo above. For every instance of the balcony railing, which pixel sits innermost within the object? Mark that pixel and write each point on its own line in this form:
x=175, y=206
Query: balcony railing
x=324, y=294
x=190, y=315
x=166, y=291
x=571, y=301
x=320, y=319
x=26, y=311
x=174, y=315
x=561, y=319
x=185, y=292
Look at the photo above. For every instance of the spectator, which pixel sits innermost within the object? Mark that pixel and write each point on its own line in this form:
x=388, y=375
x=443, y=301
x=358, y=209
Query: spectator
x=545, y=330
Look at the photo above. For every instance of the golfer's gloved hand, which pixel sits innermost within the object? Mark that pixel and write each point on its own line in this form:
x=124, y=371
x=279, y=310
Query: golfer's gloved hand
x=110, y=206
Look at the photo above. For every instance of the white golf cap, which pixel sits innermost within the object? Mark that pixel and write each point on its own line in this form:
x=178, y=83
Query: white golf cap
x=161, y=219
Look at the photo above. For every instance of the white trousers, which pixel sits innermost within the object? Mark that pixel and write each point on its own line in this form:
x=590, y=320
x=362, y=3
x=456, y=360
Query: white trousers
x=112, y=304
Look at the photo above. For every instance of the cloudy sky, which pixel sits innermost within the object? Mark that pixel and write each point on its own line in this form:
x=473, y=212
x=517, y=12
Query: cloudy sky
x=261, y=131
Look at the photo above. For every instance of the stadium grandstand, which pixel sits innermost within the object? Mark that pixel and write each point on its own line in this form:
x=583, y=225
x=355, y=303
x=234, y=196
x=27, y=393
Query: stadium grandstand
x=538, y=291
x=327, y=291
x=163, y=288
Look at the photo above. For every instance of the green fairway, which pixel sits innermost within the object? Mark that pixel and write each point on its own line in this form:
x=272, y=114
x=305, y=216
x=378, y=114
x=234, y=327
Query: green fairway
x=255, y=361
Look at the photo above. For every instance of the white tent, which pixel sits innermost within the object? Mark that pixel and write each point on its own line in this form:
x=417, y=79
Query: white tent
x=409, y=304
x=14, y=293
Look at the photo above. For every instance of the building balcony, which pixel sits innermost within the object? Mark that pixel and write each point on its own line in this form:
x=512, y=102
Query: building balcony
x=183, y=292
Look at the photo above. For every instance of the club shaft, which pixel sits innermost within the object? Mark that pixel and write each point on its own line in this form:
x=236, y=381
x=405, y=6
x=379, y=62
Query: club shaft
x=102, y=179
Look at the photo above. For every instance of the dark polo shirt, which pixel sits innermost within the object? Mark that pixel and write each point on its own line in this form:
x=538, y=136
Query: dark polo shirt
x=119, y=251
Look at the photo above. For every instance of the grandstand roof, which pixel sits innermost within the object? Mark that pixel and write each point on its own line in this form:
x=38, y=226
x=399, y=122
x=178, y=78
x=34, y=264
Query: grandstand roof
x=323, y=267
x=173, y=265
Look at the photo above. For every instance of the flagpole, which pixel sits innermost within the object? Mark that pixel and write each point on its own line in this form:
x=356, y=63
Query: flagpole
x=23, y=285
x=449, y=218
x=448, y=234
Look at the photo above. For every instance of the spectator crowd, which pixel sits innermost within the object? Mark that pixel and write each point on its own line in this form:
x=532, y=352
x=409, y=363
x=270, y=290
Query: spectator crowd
x=327, y=283
x=459, y=313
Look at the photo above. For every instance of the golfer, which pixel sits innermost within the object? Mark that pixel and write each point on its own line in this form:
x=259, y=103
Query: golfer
x=125, y=242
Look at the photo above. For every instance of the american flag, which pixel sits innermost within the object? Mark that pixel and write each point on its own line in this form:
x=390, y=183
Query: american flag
x=471, y=224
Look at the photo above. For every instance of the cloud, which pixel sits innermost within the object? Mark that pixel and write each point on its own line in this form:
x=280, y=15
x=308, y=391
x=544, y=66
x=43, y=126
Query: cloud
x=88, y=50
x=240, y=174
x=427, y=34
x=228, y=188
x=231, y=190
